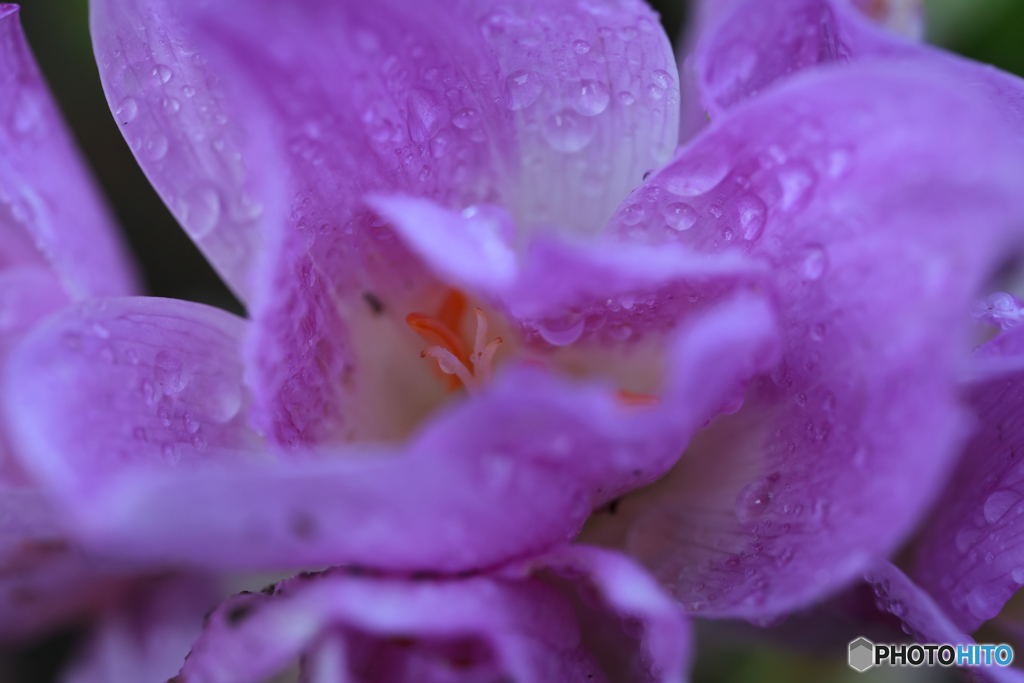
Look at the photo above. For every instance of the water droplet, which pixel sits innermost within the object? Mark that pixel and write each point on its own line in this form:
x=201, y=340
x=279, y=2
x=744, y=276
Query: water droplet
x=466, y=118
x=984, y=602
x=1018, y=575
x=168, y=371
x=561, y=332
x=568, y=132
x=967, y=537
x=162, y=73
x=680, y=216
x=695, y=174
x=752, y=213
x=753, y=499
x=998, y=503
x=425, y=114
x=127, y=110
x=188, y=91
x=170, y=452
x=201, y=210
x=654, y=92
x=815, y=263
x=190, y=422
x=797, y=180
x=156, y=147
x=199, y=442
x=171, y=105
x=522, y=89
x=592, y=99
x=626, y=98
x=633, y=214
x=581, y=47
x=661, y=79
x=440, y=145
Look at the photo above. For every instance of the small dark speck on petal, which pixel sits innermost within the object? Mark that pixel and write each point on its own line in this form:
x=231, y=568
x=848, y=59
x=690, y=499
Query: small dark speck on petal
x=613, y=507
x=238, y=613
x=373, y=302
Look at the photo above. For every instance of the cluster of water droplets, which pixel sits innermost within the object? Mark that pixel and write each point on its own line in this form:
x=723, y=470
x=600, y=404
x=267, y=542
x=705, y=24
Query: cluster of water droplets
x=177, y=125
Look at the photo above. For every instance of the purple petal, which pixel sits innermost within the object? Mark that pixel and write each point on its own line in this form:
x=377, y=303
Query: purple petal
x=50, y=209
x=969, y=557
x=925, y=620
x=501, y=475
x=174, y=114
x=45, y=577
x=865, y=181
x=560, y=292
x=353, y=107
x=146, y=637
x=555, y=619
x=751, y=45
x=130, y=382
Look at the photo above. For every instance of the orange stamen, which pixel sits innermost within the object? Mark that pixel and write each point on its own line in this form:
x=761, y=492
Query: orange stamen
x=449, y=350
x=636, y=400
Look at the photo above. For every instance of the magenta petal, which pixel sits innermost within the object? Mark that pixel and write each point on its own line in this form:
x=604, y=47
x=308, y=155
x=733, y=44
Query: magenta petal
x=120, y=383
x=145, y=637
x=854, y=184
x=174, y=114
x=969, y=557
x=925, y=620
x=501, y=475
x=751, y=45
x=555, y=619
x=45, y=577
x=50, y=209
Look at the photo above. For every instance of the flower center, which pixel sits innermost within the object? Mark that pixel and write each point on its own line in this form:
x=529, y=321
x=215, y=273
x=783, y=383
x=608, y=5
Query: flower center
x=461, y=367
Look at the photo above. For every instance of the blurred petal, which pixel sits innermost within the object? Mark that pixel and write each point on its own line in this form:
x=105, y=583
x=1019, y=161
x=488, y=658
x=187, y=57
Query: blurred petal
x=750, y=45
x=45, y=577
x=524, y=624
x=146, y=637
x=501, y=475
x=51, y=212
x=925, y=620
x=969, y=556
x=857, y=186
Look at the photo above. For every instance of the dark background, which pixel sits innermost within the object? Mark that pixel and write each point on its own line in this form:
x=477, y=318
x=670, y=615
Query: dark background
x=987, y=30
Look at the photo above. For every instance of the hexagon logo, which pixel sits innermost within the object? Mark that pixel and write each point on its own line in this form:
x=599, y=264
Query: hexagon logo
x=862, y=654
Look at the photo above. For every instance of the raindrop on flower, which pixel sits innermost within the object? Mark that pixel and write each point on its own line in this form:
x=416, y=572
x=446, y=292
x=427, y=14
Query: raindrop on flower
x=162, y=73
x=561, y=332
x=680, y=216
x=633, y=214
x=998, y=503
x=567, y=131
x=466, y=118
x=201, y=210
x=592, y=99
x=814, y=264
x=168, y=371
x=581, y=47
x=127, y=110
x=521, y=89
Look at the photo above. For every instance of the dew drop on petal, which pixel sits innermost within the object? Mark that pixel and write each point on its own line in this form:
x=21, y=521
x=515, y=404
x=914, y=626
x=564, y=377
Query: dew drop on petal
x=814, y=264
x=127, y=110
x=985, y=602
x=156, y=147
x=567, y=131
x=466, y=118
x=680, y=216
x=522, y=89
x=201, y=210
x=592, y=99
x=1018, y=575
x=752, y=213
x=561, y=332
x=661, y=79
x=633, y=214
x=695, y=174
x=168, y=371
x=753, y=500
x=998, y=503
x=162, y=73
x=581, y=47
x=625, y=97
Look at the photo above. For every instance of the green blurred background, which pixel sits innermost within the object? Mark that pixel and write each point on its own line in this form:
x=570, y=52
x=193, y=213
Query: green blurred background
x=987, y=30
